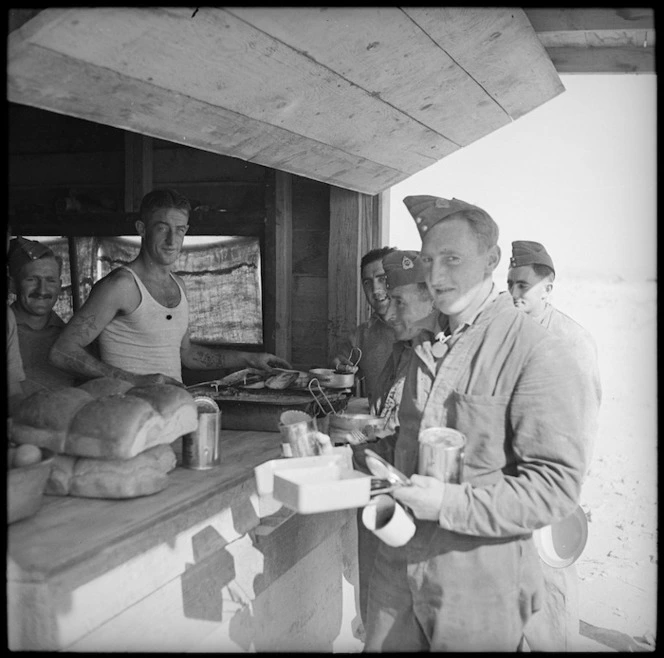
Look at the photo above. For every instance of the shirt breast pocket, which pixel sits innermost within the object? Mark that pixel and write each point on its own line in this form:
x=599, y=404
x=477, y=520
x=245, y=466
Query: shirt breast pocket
x=483, y=420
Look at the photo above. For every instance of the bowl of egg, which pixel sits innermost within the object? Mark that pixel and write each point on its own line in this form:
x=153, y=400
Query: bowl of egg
x=28, y=469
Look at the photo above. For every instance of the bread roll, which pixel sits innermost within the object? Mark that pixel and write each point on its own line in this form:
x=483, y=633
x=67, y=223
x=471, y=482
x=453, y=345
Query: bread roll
x=44, y=417
x=62, y=472
x=114, y=427
x=102, y=386
x=112, y=478
x=142, y=475
x=176, y=406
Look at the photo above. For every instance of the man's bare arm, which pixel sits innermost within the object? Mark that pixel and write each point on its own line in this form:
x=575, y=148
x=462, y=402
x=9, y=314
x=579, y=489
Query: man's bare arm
x=202, y=357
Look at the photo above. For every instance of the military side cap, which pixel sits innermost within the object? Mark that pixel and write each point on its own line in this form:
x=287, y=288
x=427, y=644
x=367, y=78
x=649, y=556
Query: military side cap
x=22, y=251
x=402, y=268
x=526, y=252
x=427, y=210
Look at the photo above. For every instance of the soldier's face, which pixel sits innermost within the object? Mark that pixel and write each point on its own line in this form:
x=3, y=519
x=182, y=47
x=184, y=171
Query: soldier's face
x=456, y=265
x=38, y=286
x=529, y=291
x=409, y=305
x=374, y=284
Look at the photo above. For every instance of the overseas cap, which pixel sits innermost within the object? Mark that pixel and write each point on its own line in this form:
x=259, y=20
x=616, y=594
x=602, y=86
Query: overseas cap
x=402, y=268
x=525, y=252
x=427, y=211
x=22, y=251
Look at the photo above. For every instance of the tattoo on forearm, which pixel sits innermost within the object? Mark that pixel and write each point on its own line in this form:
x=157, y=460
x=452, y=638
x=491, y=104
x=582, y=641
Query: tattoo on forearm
x=206, y=358
x=82, y=327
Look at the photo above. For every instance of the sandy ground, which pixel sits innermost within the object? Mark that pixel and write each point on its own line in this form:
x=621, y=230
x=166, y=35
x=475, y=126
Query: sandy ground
x=618, y=569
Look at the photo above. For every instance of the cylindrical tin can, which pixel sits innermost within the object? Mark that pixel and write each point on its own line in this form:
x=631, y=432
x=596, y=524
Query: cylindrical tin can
x=441, y=452
x=200, y=449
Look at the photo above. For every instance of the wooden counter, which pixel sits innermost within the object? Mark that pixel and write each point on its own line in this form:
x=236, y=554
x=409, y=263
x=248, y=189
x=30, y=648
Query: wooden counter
x=203, y=565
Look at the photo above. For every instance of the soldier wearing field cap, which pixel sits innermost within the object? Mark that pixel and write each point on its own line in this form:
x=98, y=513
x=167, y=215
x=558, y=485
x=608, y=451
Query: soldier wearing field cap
x=35, y=276
x=530, y=281
x=470, y=579
x=410, y=310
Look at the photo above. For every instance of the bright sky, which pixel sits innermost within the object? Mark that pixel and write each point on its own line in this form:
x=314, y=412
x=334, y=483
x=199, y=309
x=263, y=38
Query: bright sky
x=577, y=174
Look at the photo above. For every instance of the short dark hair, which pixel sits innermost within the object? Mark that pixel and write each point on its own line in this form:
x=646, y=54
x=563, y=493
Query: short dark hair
x=374, y=255
x=163, y=198
x=543, y=271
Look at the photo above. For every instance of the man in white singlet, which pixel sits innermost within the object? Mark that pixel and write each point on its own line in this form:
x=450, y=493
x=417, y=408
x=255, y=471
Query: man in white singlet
x=140, y=312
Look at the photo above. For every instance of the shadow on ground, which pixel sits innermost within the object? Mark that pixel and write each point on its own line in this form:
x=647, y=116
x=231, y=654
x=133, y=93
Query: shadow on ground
x=615, y=639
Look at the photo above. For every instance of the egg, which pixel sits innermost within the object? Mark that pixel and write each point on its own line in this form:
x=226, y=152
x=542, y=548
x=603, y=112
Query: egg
x=26, y=454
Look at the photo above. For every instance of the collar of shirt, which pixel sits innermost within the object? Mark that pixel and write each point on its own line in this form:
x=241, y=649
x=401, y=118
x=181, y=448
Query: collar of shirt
x=54, y=319
x=543, y=315
x=446, y=333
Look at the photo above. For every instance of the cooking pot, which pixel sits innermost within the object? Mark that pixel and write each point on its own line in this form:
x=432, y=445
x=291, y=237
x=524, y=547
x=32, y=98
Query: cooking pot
x=333, y=379
x=342, y=425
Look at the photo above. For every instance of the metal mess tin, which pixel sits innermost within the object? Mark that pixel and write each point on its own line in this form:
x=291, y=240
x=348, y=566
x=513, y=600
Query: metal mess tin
x=441, y=454
x=200, y=449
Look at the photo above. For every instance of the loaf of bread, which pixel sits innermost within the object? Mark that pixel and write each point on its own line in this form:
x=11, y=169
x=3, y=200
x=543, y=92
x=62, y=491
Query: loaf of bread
x=142, y=475
x=176, y=406
x=44, y=417
x=114, y=427
x=104, y=419
x=62, y=472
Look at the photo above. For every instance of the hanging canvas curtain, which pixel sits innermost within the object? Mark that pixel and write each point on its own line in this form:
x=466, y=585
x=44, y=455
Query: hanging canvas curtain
x=223, y=284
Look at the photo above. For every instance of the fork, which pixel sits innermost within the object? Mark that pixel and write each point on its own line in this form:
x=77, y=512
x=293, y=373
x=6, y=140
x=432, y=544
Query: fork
x=358, y=437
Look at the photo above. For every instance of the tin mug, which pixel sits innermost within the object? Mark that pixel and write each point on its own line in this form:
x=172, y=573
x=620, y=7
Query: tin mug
x=303, y=438
x=388, y=520
x=200, y=448
x=441, y=454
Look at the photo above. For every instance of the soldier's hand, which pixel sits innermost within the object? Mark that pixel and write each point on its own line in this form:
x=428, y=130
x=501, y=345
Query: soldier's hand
x=266, y=361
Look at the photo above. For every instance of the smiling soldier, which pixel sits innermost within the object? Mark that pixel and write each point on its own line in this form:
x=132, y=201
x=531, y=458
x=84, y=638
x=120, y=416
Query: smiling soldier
x=470, y=579
x=140, y=312
x=35, y=273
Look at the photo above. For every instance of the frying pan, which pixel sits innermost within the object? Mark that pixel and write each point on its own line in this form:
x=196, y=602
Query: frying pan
x=333, y=379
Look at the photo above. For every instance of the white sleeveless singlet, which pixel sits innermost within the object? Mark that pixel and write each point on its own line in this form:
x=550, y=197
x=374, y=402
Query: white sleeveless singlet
x=147, y=341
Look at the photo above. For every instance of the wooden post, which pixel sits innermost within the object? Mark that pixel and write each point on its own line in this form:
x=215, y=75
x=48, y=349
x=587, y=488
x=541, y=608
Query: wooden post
x=283, y=237
x=354, y=230
x=75, y=274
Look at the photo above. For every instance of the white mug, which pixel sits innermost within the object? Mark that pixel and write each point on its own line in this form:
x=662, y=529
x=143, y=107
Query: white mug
x=388, y=520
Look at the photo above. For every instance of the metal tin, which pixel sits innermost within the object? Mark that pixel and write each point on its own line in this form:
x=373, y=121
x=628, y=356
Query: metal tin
x=200, y=449
x=441, y=453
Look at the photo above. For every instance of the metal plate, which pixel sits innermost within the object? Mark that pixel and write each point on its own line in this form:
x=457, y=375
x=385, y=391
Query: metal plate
x=561, y=544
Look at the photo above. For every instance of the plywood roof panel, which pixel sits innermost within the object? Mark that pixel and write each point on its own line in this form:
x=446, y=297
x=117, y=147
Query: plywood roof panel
x=360, y=98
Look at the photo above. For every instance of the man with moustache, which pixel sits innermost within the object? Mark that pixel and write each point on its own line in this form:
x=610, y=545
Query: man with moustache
x=374, y=337
x=470, y=578
x=35, y=278
x=140, y=312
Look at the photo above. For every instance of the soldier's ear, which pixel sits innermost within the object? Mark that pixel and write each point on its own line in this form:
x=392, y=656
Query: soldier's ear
x=493, y=258
x=12, y=285
x=140, y=227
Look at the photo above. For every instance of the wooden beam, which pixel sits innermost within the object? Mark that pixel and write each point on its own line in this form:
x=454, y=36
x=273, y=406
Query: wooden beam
x=110, y=224
x=284, y=264
x=590, y=19
x=603, y=60
x=138, y=170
